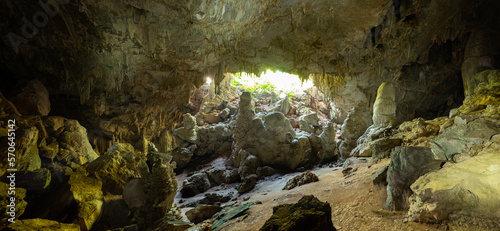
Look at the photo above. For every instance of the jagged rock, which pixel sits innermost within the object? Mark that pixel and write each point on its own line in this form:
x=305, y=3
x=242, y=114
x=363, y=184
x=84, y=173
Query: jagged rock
x=358, y=120
x=182, y=156
x=380, y=177
x=195, y=184
x=37, y=180
x=156, y=159
x=120, y=163
x=301, y=179
x=270, y=139
x=49, y=150
x=42, y=224
x=88, y=196
x=483, y=96
x=115, y=213
x=248, y=184
x=282, y=106
x=302, y=153
x=382, y=148
x=460, y=138
x=26, y=150
x=329, y=150
x=309, y=123
x=160, y=188
x=74, y=146
x=465, y=189
x=11, y=210
x=420, y=132
x=307, y=214
x=202, y=213
x=248, y=166
x=214, y=140
x=229, y=213
x=265, y=171
x=384, y=108
x=33, y=99
x=406, y=166
x=189, y=132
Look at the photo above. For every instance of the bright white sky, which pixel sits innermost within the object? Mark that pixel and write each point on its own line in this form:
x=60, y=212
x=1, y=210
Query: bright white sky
x=284, y=82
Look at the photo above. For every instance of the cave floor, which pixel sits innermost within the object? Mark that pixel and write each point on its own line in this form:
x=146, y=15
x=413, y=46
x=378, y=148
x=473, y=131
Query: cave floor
x=357, y=204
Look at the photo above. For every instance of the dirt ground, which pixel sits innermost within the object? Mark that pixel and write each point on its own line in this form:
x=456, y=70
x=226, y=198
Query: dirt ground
x=356, y=203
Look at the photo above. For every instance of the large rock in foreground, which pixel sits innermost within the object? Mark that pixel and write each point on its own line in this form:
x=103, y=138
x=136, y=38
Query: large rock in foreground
x=469, y=188
x=308, y=214
x=407, y=165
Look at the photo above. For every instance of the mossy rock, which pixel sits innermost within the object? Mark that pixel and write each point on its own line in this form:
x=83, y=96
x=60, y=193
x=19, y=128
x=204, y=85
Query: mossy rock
x=308, y=214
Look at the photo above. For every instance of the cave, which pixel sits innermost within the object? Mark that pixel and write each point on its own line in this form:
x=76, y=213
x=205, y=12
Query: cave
x=250, y=115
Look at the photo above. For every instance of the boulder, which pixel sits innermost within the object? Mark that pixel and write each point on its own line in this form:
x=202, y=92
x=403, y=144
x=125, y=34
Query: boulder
x=382, y=148
x=115, y=213
x=33, y=99
x=74, y=147
x=384, y=108
x=248, y=166
x=282, y=106
x=248, y=184
x=189, y=131
x=7, y=205
x=88, y=196
x=301, y=179
x=160, y=188
x=202, y=213
x=231, y=176
x=466, y=189
x=214, y=140
x=265, y=171
x=358, y=120
x=42, y=224
x=195, y=184
x=309, y=123
x=460, y=138
x=307, y=214
x=406, y=166
x=216, y=176
x=182, y=156
x=26, y=150
x=120, y=163
x=38, y=180
x=328, y=150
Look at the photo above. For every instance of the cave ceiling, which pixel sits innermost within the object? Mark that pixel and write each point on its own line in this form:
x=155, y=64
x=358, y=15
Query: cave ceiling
x=133, y=60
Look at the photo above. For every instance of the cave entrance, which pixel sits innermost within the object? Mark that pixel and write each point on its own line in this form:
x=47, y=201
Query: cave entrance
x=281, y=83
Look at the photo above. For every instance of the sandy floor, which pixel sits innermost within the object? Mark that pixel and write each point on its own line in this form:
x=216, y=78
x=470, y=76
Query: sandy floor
x=356, y=203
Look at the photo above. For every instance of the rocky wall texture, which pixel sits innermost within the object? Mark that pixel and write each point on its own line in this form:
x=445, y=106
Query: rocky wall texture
x=133, y=65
